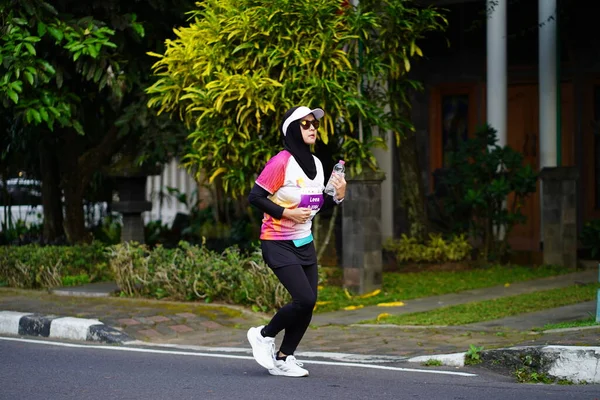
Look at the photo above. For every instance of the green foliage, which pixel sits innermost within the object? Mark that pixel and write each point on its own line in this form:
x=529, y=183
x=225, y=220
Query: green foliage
x=486, y=185
x=109, y=232
x=527, y=375
x=529, y=372
x=72, y=80
x=34, y=267
x=233, y=72
x=17, y=232
x=436, y=249
x=390, y=50
x=590, y=237
x=194, y=272
x=30, y=82
x=473, y=355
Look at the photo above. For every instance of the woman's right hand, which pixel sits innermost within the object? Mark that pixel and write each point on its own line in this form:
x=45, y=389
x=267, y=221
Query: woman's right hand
x=298, y=215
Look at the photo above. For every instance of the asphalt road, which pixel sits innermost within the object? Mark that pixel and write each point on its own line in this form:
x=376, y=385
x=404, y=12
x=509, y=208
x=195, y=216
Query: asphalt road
x=41, y=369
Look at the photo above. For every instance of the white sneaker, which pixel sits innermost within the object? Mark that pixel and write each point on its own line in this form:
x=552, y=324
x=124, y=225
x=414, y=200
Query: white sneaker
x=289, y=367
x=263, y=348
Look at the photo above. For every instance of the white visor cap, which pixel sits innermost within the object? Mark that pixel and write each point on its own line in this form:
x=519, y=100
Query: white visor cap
x=300, y=113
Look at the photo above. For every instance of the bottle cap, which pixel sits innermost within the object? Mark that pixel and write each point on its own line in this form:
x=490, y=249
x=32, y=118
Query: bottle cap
x=342, y=162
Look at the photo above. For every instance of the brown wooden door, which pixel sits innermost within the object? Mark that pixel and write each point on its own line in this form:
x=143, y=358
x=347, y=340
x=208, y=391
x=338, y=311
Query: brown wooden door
x=523, y=136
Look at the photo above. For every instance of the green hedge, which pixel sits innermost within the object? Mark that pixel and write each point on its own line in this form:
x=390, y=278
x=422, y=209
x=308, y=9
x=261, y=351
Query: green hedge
x=185, y=273
x=34, y=266
x=193, y=272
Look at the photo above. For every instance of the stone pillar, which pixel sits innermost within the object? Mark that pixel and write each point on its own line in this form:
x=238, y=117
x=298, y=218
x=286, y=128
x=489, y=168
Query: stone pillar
x=361, y=227
x=559, y=215
x=132, y=203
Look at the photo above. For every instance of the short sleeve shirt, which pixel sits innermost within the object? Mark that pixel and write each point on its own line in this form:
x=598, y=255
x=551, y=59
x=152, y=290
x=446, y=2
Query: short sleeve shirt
x=290, y=187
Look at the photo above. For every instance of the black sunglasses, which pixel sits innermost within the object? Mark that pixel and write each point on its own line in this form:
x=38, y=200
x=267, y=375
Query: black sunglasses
x=306, y=123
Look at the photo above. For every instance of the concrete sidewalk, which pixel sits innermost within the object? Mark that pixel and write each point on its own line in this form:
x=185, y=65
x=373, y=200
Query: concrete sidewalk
x=208, y=325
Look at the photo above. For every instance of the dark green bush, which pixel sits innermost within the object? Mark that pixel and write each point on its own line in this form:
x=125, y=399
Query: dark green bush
x=485, y=186
x=590, y=237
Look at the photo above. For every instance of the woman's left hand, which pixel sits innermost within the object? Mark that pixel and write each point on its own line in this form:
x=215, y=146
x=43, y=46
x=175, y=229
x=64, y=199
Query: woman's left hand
x=339, y=183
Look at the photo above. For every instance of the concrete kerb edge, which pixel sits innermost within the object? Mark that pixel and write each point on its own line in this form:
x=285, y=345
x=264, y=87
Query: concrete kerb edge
x=449, y=360
x=579, y=364
x=16, y=323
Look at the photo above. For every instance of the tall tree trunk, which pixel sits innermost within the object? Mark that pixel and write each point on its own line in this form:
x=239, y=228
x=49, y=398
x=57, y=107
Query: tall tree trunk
x=51, y=195
x=75, y=220
x=77, y=169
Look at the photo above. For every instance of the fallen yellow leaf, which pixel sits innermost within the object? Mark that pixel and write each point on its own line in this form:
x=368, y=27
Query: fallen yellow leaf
x=373, y=293
x=350, y=308
x=320, y=303
x=506, y=284
x=392, y=304
x=383, y=316
x=348, y=295
x=320, y=287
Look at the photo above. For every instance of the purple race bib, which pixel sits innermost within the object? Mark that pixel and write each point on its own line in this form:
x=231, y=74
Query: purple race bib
x=312, y=201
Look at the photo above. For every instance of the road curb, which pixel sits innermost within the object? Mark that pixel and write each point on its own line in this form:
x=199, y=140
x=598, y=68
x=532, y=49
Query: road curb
x=579, y=364
x=449, y=360
x=52, y=326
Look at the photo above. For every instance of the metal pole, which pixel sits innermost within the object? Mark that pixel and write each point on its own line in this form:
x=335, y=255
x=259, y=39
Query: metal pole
x=598, y=299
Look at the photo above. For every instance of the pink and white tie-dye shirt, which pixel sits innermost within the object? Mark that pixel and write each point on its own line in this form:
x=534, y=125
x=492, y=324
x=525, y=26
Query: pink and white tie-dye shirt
x=290, y=188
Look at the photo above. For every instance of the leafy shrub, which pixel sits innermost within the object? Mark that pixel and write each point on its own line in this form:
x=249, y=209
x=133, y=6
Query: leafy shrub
x=436, y=249
x=34, y=266
x=590, y=237
x=194, y=272
x=19, y=232
x=473, y=355
x=485, y=186
x=109, y=232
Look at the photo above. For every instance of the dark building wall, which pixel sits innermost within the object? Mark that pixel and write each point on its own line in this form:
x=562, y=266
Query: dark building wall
x=459, y=56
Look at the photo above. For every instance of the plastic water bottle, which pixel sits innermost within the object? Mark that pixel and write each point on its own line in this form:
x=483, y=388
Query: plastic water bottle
x=339, y=170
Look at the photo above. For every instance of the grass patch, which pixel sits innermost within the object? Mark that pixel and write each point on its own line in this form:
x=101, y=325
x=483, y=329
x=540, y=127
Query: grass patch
x=405, y=286
x=495, y=309
x=591, y=321
x=432, y=362
x=75, y=280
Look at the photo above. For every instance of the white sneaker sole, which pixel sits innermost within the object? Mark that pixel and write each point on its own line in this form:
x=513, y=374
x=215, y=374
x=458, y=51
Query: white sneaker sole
x=254, y=344
x=278, y=372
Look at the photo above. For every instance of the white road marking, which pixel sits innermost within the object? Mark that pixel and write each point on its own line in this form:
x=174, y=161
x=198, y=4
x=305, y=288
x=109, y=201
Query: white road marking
x=343, y=357
x=213, y=355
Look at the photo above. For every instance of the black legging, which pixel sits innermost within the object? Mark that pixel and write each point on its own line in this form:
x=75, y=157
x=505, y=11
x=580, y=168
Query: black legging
x=301, y=281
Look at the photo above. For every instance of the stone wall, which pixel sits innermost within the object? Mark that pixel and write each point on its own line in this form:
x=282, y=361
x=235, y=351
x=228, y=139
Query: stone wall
x=559, y=215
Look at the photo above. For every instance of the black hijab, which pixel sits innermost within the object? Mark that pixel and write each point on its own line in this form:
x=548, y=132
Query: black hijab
x=293, y=142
